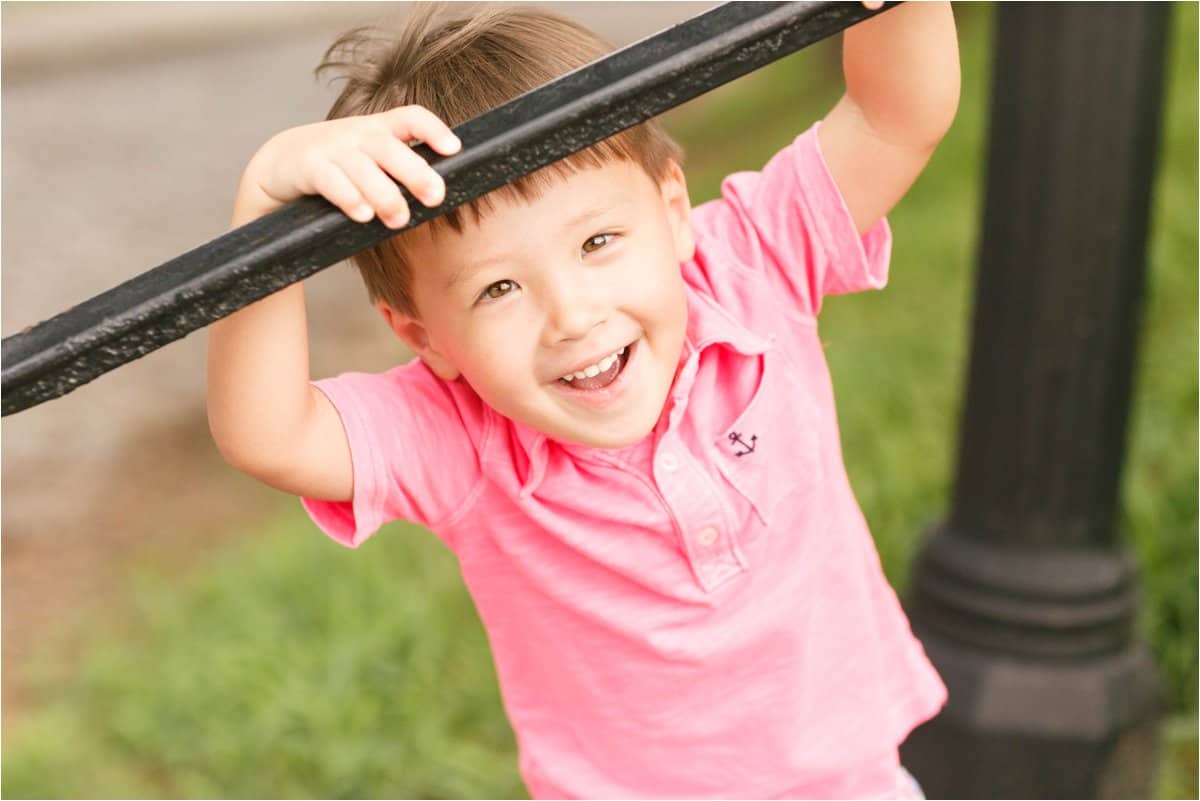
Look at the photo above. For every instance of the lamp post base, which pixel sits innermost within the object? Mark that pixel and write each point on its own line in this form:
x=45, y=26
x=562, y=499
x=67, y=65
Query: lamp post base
x=1048, y=695
x=998, y=738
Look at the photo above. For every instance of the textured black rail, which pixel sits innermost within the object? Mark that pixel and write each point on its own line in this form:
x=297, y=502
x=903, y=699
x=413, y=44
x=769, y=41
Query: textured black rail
x=577, y=110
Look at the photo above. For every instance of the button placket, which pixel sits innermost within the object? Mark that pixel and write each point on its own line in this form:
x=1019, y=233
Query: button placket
x=696, y=506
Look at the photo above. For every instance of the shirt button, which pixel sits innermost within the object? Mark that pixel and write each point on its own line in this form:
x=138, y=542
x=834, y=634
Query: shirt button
x=708, y=536
x=668, y=461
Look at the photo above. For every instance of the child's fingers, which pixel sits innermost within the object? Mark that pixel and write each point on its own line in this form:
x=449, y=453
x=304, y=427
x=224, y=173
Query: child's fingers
x=380, y=193
x=418, y=122
x=336, y=187
x=408, y=168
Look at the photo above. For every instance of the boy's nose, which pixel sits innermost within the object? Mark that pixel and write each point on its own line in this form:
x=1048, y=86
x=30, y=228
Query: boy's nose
x=572, y=311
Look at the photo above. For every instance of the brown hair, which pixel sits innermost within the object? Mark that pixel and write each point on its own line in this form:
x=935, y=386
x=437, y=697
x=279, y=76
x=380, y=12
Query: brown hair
x=458, y=69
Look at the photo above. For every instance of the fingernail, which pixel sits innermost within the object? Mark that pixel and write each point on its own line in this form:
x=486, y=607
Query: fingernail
x=451, y=142
x=436, y=193
x=363, y=213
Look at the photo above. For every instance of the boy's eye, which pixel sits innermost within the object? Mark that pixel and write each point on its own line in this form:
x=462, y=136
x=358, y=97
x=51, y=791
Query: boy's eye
x=594, y=243
x=498, y=290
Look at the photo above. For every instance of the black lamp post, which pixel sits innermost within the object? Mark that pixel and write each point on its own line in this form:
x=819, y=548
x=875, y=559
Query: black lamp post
x=1024, y=598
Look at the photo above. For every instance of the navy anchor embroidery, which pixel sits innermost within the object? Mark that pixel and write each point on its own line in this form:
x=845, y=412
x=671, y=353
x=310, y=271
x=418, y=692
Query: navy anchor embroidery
x=749, y=446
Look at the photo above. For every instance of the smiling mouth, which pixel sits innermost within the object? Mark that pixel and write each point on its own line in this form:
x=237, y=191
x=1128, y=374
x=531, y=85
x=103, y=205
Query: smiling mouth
x=601, y=380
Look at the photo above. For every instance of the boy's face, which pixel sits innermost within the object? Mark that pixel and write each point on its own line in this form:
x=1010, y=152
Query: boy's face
x=556, y=286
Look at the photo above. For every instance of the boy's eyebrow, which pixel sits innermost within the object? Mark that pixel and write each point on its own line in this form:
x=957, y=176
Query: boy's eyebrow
x=588, y=213
x=471, y=268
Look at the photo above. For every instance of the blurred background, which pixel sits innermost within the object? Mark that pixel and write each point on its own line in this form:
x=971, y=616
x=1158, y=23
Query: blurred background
x=171, y=629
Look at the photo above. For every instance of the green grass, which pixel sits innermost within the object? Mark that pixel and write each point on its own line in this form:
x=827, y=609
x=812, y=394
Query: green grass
x=286, y=667
x=1158, y=510
x=289, y=667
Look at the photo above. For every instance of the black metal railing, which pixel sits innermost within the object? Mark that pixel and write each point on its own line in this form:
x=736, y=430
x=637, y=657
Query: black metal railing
x=625, y=88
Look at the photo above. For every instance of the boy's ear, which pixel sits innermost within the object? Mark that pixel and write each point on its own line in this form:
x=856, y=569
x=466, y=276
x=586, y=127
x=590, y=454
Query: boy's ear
x=414, y=334
x=673, y=188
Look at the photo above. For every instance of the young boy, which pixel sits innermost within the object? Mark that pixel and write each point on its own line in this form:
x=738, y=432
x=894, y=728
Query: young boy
x=621, y=420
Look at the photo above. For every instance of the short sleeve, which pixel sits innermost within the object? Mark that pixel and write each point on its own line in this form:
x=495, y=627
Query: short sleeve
x=414, y=443
x=789, y=223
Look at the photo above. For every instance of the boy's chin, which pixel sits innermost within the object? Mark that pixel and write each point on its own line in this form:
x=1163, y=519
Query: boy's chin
x=615, y=443
x=613, y=439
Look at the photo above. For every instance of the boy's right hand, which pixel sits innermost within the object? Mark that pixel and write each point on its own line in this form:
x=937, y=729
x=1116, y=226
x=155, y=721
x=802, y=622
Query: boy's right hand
x=348, y=161
x=266, y=417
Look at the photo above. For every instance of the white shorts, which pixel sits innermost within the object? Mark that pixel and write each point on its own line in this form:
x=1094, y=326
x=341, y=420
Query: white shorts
x=907, y=788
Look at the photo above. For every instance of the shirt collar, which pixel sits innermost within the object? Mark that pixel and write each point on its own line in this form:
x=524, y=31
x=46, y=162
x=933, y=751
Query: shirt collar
x=709, y=324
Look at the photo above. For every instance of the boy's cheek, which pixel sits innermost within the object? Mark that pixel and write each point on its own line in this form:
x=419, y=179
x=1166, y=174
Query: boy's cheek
x=500, y=372
x=665, y=296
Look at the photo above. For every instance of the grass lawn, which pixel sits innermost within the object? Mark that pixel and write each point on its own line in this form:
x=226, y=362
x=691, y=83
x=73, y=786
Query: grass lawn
x=286, y=666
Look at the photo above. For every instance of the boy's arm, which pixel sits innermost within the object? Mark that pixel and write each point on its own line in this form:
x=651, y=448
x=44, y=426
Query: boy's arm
x=902, y=88
x=266, y=418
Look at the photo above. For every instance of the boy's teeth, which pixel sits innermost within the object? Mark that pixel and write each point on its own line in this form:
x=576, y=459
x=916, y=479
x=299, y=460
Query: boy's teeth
x=595, y=369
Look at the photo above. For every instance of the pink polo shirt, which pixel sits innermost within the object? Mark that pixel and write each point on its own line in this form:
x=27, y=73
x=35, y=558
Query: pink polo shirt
x=701, y=614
